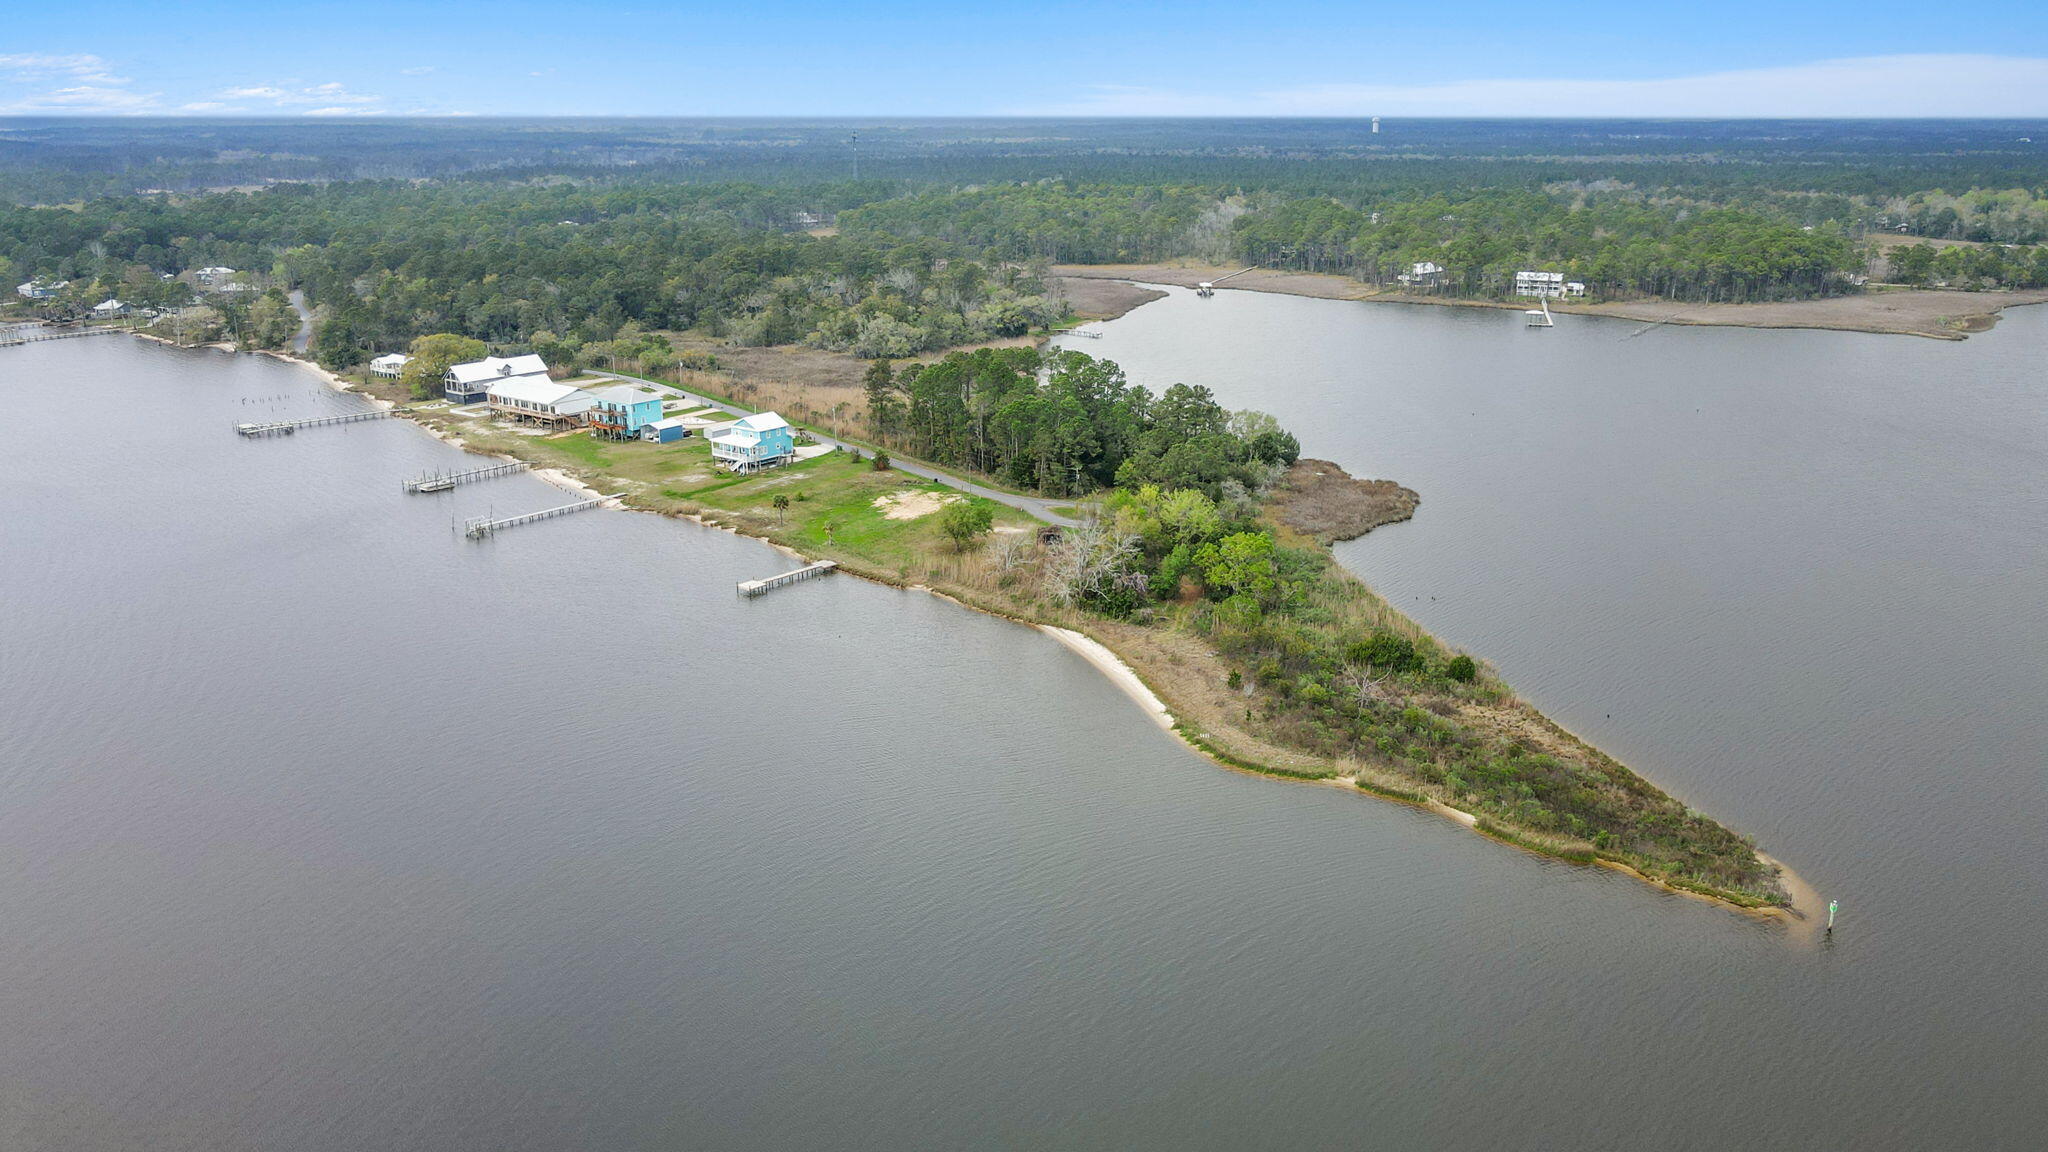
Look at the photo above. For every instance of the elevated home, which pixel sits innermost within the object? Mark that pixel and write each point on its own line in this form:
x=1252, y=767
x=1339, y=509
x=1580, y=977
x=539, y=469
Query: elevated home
x=1539, y=283
x=470, y=383
x=1574, y=288
x=110, y=308
x=390, y=364
x=539, y=400
x=1425, y=274
x=41, y=289
x=622, y=410
x=762, y=440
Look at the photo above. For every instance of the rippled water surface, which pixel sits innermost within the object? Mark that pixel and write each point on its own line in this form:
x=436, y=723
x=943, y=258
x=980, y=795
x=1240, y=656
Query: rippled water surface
x=325, y=828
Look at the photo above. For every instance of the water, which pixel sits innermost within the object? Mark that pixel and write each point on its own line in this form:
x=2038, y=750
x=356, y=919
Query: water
x=324, y=828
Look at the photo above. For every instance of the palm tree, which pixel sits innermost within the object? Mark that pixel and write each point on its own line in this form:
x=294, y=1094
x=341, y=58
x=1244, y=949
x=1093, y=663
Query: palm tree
x=781, y=505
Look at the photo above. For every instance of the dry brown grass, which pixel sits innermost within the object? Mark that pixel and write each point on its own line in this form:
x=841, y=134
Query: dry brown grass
x=1320, y=500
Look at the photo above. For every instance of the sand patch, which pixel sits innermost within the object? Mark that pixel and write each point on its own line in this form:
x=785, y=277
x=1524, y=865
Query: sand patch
x=911, y=505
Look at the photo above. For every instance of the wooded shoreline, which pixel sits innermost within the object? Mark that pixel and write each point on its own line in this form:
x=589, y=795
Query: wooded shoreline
x=1933, y=313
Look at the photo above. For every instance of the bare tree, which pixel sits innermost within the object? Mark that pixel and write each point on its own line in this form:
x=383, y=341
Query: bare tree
x=1087, y=561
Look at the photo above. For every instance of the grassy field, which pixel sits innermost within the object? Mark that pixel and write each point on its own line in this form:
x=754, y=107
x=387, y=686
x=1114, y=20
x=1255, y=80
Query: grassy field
x=833, y=507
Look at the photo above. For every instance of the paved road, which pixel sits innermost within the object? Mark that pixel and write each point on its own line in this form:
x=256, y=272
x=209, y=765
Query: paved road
x=1029, y=505
x=304, y=339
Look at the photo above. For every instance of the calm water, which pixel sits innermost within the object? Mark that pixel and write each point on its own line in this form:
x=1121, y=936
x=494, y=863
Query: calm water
x=325, y=828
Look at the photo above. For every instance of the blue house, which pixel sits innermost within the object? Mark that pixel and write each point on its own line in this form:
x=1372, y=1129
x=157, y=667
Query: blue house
x=762, y=440
x=623, y=410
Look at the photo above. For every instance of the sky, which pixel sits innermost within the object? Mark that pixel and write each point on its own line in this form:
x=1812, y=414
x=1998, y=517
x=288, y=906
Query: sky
x=317, y=58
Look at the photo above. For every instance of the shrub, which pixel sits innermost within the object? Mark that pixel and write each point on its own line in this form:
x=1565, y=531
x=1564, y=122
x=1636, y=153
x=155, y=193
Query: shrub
x=1462, y=669
x=1384, y=650
x=880, y=462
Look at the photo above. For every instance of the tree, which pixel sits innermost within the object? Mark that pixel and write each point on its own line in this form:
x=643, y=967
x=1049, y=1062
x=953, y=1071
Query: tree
x=432, y=356
x=967, y=520
x=781, y=503
x=880, y=461
x=1462, y=668
x=1241, y=564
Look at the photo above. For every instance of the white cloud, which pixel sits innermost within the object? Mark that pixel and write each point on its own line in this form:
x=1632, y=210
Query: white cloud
x=351, y=110
x=202, y=106
x=36, y=66
x=323, y=98
x=1913, y=85
x=86, y=98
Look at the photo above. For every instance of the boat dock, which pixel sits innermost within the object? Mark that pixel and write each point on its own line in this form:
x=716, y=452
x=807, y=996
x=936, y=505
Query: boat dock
x=757, y=587
x=443, y=481
x=481, y=526
x=287, y=427
x=32, y=334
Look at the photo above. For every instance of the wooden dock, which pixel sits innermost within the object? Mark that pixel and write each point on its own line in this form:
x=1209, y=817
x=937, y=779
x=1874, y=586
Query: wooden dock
x=757, y=587
x=287, y=427
x=443, y=481
x=35, y=335
x=481, y=526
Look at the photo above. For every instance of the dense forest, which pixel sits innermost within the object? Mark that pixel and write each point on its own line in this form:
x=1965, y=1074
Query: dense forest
x=1067, y=425
x=562, y=235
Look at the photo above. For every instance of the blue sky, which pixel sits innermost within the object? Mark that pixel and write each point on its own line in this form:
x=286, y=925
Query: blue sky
x=858, y=57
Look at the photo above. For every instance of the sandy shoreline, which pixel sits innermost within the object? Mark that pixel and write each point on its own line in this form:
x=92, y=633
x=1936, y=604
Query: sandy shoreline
x=1105, y=660
x=1933, y=313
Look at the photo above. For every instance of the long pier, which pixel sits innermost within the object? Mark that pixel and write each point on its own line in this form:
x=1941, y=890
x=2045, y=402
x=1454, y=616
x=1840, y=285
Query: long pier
x=443, y=481
x=32, y=335
x=757, y=587
x=481, y=526
x=287, y=427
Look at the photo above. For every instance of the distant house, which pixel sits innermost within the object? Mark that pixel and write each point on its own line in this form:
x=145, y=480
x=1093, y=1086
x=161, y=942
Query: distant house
x=762, y=440
x=539, y=400
x=1539, y=283
x=1425, y=274
x=41, y=289
x=109, y=308
x=390, y=364
x=213, y=277
x=470, y=383
x=1574, y=288
x=622, y=410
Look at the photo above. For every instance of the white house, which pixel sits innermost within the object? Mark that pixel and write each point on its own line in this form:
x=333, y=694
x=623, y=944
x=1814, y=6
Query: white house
x=110, y=307
x=41, y=289
x=1425, y=274
x=1574, y=288
x=539, y=399
x=390, y=364
x=469, y=383
x=213, y=277
x=1539, y=283
x=762, y=440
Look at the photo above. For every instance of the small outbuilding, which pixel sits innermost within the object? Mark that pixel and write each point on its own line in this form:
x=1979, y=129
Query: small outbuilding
x=670, y=430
